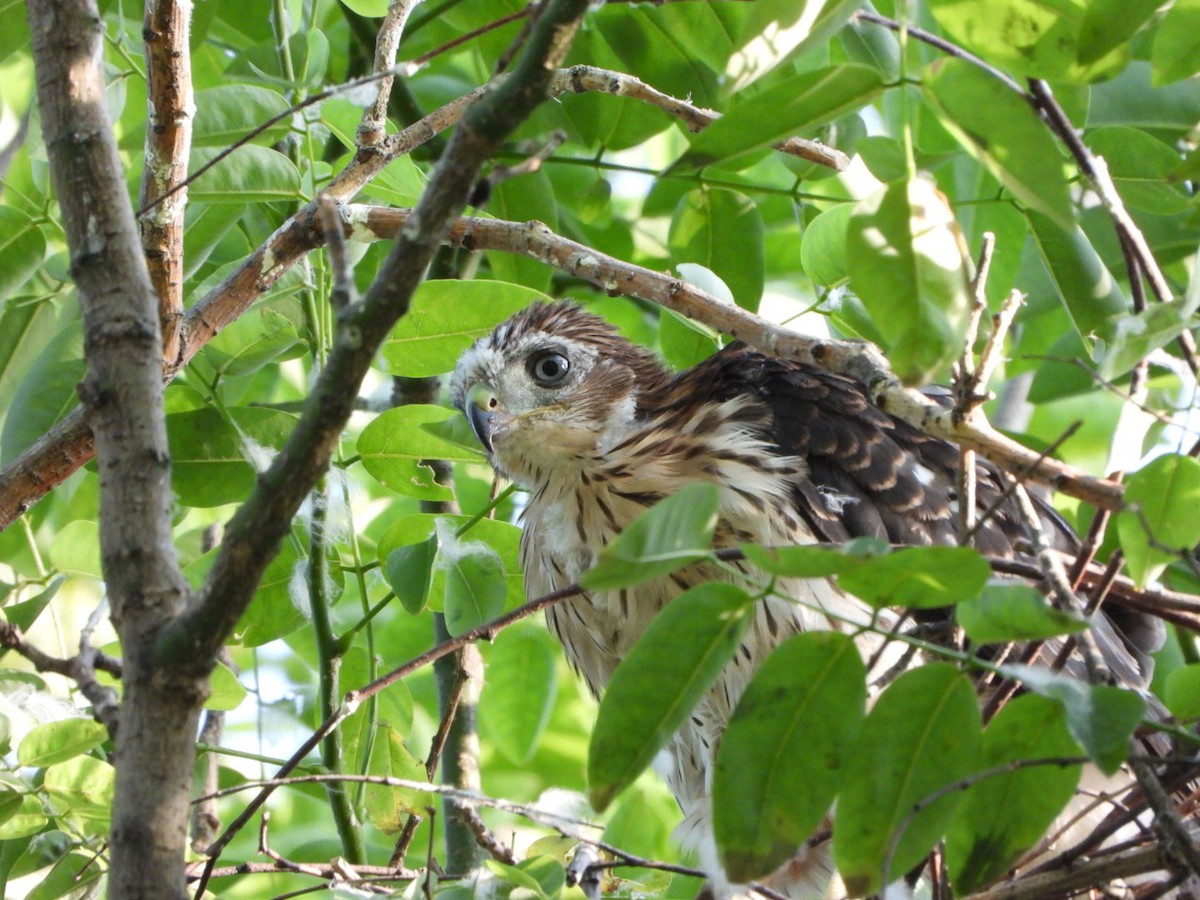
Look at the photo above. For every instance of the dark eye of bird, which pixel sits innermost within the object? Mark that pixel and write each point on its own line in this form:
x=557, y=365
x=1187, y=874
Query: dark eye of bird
x=548, y=368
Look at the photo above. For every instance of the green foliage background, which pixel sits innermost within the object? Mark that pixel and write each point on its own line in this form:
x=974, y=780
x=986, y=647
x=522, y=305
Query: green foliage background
x=866, y=252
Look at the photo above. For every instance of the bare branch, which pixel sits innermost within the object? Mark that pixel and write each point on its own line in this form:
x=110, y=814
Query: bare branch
x=371, y=129
x=170, y=109
x=856, y=359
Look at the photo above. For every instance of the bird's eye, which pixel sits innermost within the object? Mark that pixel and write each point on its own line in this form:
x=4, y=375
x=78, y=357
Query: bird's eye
x=549, y=367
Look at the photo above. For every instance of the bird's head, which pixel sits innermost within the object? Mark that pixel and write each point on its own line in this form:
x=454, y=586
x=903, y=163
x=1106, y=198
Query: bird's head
x=550, y=387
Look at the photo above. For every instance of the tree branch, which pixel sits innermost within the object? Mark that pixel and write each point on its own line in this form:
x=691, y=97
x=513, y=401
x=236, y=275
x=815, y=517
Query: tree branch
x=122, y=397
x=170, y=109
x=856, y=359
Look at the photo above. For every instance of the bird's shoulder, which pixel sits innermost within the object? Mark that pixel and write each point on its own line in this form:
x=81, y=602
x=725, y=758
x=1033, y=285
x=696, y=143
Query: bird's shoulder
x=866, y=472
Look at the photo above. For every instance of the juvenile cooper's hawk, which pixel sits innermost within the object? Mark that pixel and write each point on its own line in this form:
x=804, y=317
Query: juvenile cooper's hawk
x=598, y=430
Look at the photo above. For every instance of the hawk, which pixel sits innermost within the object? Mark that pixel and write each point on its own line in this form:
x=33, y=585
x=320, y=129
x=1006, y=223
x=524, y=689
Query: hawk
x=597, y=429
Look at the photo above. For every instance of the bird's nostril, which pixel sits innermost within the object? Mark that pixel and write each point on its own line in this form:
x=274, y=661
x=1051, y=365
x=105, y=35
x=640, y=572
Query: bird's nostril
x=493, y=403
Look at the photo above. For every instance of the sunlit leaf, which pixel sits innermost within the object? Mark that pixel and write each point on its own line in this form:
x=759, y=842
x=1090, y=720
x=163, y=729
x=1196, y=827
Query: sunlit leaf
x=796, y=105
x=229, y=112
x=1000, y=129
x=22, y=250
x=1161, y=520
x=1176, y=53
x=906, y=263
x=394, y=449
x=55, y=742
x=445, y=318
x=250, y=173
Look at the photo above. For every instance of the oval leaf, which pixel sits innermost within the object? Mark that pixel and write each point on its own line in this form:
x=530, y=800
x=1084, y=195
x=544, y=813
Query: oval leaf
x=1161, y=521
x=521, y=686
x=1014, y=612
x=922, y=735
x=445, y=318
x=919, y=577
x=1003, y=815
x=665, y=674
x=779, y=764
x=1001, y=130
x=55, y=742
x=394, y=449
x=906, y=259
x=666, y=537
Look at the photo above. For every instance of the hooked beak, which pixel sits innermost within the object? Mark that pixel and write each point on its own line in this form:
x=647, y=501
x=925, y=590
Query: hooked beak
x=483, y=411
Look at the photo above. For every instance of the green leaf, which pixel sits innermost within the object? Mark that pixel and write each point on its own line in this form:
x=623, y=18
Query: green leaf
x=46, y=393
x=409, y=573
x=1004, y=815
x=1181, y=692
x=1001, y=130
x=10, y=805
x=387, y=807
x=72, y=876
x=1100, y=717
x=229, y=112
x=721, y=230
x=521, y=686
x=273, y=612
x=258, y=337
x=500, y=536
x=776, y=31
x=666, y=537
x=685, y=343
x=29, y=819
x=906, y=264
x=1141, y=167
x=815, y=561
x=55, y=742
x=225, y=691
x=1087, y=289
x=82, y=788
x=1040, y=38
x=15, y=33
x=823, y=246
x=250, y=174
x=373, y=9
x=27, y=326
x=542, y=875
x=1013, y=612
x=528, y=198
x=445, y=318
x=25, y=613
x=797, y=104
x=1137, y=335
x=475, y=588
x=75, y=550
x=922, y=735
x=214, y=460
x=918, y=577
x=779, y=764
x=394, y=449
x=22, y=248
x=1161, y=518
x=662, y=678
x=1108, y=24
x=1176, y=53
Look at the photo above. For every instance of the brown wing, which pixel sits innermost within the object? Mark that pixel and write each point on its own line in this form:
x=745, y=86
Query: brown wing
x=869, y=474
